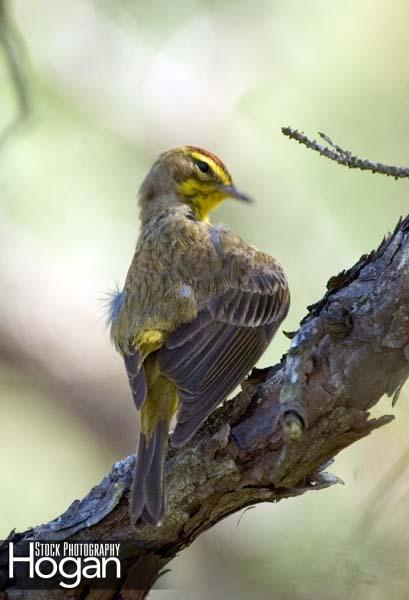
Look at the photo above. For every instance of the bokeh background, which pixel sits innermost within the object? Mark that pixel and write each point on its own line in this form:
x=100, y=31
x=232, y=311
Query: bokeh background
x=113, y=83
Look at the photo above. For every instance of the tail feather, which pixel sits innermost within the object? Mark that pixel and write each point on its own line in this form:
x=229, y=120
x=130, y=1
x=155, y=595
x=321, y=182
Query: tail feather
x=147, y=500
x=154, y=488
x=136, y=500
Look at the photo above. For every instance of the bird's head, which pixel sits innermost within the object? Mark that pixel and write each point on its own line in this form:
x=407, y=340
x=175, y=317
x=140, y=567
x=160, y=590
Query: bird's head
x=193, y=176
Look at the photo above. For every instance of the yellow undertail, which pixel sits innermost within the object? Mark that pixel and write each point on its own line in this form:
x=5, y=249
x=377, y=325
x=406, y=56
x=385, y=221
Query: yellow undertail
x=148, y=488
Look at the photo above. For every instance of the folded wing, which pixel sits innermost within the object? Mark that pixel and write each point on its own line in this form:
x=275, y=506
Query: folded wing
x=210, y=356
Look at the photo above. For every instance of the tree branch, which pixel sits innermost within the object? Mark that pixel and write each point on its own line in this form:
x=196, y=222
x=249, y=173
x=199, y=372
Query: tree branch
x=239, y=457
x=345, y=157
x=14, y=52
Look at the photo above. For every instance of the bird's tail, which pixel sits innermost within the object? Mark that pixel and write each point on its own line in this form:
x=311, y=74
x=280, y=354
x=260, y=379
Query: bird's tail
x=147, y=500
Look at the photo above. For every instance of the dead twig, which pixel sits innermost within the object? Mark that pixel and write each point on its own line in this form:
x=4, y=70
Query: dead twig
x=344, y=157
x=13, y=47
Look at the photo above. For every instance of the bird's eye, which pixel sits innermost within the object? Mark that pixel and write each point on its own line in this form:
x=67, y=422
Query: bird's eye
x=203, y=166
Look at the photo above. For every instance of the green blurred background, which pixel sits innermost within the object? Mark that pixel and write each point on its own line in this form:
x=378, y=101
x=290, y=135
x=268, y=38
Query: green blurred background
x=112, y=84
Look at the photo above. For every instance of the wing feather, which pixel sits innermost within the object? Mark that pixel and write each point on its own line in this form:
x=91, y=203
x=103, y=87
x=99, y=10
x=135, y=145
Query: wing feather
x=191, y=416
x=210, y=356
x=137, y=378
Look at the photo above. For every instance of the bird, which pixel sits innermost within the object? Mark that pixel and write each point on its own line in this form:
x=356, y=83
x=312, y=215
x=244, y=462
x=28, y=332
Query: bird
x=198, y=308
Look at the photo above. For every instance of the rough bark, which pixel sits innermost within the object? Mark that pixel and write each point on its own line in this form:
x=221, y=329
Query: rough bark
x=359, y=352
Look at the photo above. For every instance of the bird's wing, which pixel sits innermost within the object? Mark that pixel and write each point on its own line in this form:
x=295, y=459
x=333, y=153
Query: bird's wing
x=137, y=378
x=208, y=357
x=132, y=359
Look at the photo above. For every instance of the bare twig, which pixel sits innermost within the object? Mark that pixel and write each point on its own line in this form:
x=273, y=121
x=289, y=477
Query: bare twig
x=236, y=459
x=345, y=157
x=14, y=52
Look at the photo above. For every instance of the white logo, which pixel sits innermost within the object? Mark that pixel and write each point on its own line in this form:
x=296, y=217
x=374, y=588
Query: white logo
x=68, y=562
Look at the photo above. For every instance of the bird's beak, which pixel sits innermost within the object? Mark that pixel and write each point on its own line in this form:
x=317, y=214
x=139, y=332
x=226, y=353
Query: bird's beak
x=231, y=191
